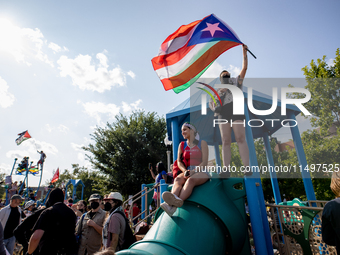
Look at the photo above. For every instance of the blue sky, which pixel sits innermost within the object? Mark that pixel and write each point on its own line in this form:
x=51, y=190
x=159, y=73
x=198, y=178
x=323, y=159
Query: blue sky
x=68, y=66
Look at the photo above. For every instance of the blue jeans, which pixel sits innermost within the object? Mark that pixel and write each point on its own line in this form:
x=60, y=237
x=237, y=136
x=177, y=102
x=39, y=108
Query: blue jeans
x=9, y=244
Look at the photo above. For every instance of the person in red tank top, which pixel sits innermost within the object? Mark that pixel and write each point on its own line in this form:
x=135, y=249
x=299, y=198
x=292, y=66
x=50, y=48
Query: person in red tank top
x=194, y=154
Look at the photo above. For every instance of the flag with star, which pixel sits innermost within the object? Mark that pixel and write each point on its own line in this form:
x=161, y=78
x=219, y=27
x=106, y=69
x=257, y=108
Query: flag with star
x=187, y=53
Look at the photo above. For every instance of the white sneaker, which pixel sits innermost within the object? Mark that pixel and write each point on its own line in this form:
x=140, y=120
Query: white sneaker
x=170, y=210
x=172, y=199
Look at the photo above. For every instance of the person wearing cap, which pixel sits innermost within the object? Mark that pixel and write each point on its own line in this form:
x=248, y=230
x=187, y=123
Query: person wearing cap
x=194, y=154
x=90, y=226
x=115, y=224
x=10, y=217
x=53, y=233
x=29, y=207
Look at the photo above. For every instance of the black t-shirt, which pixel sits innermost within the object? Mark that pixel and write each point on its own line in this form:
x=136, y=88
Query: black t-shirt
x=58, y=223
x=12, y=222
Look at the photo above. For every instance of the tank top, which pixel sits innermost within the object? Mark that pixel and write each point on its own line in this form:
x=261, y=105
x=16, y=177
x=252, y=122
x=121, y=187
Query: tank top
x=192, y=156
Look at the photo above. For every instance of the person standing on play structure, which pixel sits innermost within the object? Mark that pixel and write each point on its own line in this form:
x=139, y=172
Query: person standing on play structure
x=194, y=153
x=238, y=121
x=42, y=158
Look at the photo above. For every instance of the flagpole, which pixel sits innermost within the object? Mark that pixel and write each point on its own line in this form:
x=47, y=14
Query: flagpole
x=251, y=53
x=27, y=169
x=41, y=173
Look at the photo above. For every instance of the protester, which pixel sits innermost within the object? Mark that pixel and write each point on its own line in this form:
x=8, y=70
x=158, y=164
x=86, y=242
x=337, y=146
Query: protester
x=226, y=113
x=331, y=216
x=24, y=231
x=54, y=230
x=115, y=224
x=29, y=207
x=80, y=208
x=69, y=202
x=14, y=189
x=42, y=159
x=90, y=227
x=24, y=163
x=135, y=212
x=126, y=211
x=32, y=197
x=10, y=217
x=2, y=246
x=195, y=156
x=161, y=174
x=21, y=188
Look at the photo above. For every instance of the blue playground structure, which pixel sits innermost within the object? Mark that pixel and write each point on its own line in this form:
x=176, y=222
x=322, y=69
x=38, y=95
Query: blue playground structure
x=75, y=184
x=212, y=220
x=35, y=171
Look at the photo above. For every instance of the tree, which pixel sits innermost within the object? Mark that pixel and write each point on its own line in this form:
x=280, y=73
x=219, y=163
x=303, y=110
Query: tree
x=324, y=85
x=123, y=149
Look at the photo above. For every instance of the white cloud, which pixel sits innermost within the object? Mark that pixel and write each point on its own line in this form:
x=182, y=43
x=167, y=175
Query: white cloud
x=215, y=69
x=78, y=148
x=61, y=128
x=131, y=107
x=131, y=74
x=330, y=62
x=55, y=47
x=22, y=43
x=48, y=128
x=89, y=76
x=5, y=168
x=97, y=109
x=6, y=98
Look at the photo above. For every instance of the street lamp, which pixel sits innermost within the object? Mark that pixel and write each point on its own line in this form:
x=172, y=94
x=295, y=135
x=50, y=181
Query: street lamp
x=168, y=151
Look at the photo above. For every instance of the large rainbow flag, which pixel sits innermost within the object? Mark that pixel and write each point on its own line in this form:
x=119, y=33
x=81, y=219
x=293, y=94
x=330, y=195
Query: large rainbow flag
x=187, y=53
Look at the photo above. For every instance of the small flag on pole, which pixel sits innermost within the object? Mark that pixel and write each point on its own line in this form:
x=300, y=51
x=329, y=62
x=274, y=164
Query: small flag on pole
x=22, y=137
x=55, y=176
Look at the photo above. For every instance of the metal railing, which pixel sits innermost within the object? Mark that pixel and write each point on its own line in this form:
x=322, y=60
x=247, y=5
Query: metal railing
x=146, y=213
x=297, y=229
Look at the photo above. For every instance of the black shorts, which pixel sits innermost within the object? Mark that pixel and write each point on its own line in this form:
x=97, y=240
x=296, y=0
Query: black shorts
x=227, y=113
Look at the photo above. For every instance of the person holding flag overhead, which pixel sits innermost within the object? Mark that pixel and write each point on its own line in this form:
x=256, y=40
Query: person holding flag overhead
x=226, y=113
x=42, y=159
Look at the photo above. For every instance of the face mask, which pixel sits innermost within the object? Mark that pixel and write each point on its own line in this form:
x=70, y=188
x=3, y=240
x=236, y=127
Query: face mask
x=225, y=79
x=82, y=210
x=107, y=206
x=94, y=205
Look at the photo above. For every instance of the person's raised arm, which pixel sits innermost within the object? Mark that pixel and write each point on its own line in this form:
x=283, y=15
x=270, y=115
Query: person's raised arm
x=152, y=173
x=244, y=64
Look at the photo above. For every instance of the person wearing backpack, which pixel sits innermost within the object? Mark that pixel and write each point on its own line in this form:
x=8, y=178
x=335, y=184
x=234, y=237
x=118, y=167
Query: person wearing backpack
x=117, y=234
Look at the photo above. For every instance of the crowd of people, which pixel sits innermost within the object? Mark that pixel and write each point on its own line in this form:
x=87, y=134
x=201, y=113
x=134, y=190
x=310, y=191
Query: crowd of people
x=66, y=228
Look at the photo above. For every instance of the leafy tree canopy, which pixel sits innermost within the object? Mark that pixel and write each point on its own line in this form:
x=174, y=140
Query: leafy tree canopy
x=123, y=149
x=324, y=85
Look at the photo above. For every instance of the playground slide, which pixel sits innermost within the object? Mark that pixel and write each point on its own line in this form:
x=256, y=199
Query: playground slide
x=211, y=221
